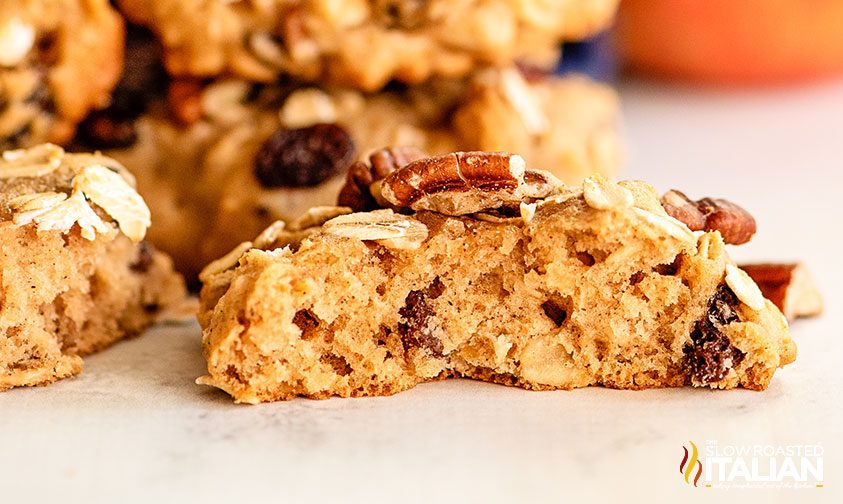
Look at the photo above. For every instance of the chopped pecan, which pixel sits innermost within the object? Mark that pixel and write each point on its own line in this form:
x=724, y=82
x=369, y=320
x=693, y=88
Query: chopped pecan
x=789, y=287
x=466, y=182
x=708, y=214
x=356, y=193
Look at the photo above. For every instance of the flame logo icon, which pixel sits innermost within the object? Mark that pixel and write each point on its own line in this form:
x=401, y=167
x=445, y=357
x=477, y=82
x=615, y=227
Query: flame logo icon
x=687, y=466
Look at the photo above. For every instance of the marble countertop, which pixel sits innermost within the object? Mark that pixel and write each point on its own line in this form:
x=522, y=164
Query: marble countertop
x=134, y=428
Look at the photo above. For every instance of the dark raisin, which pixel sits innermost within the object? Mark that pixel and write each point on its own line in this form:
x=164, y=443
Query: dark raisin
x=415, y=329
x=144, y=259
x=304, y=157
x=711, y=355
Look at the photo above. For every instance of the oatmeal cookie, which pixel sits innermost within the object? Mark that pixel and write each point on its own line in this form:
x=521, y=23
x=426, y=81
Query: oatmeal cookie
x=482, y=269
x=362, y=43
x=59, y=59
x=76, y=274
x=220, y=161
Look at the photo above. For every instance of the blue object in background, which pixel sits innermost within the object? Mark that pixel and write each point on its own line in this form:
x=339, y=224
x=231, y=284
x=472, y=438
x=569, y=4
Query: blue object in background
x=594, y=57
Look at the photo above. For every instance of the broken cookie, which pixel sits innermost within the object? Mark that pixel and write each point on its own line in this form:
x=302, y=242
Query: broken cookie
x=569, y=287
x=76, y=274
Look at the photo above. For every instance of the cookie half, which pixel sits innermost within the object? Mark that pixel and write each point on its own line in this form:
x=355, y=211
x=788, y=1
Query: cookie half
x=480, y=268
x=76, y=274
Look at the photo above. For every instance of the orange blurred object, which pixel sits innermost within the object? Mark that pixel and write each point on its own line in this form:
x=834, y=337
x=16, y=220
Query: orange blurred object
x=732, y=41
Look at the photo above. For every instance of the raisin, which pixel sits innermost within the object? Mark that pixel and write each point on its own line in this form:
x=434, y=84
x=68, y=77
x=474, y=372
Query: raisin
x=415, y=330
x=303, y=157
x=711, y=355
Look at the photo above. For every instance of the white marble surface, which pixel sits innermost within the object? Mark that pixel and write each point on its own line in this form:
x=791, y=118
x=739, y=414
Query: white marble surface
x=134, y=428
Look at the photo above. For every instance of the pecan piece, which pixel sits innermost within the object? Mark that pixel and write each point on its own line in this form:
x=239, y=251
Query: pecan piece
x=735, y=224
x=466, y=182
x=356, y=193
x=789, y=287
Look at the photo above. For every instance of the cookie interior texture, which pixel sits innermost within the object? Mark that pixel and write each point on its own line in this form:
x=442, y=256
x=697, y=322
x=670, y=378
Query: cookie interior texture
x=64, y=295
x=574, y=296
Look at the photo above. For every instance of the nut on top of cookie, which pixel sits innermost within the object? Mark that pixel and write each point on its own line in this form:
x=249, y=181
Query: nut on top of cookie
x=379, y=200
x=53, y=190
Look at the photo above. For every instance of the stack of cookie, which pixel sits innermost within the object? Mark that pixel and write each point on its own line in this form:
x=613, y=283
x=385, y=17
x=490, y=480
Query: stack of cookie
x=235, y=114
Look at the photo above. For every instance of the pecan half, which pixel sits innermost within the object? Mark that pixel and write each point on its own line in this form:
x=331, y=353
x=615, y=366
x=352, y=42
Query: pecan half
x=466, y=182
x=708, y=214
x=356, y=193
x=789, y=287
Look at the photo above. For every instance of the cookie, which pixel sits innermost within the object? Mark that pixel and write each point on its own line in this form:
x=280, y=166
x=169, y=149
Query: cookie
x=59, y=59
x=75, y=272
x=359, y=43
x=482, y=269
x=219, y=162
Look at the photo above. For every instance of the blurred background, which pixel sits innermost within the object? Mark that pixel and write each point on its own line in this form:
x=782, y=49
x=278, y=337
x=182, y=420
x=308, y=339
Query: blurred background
x=717, y=42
